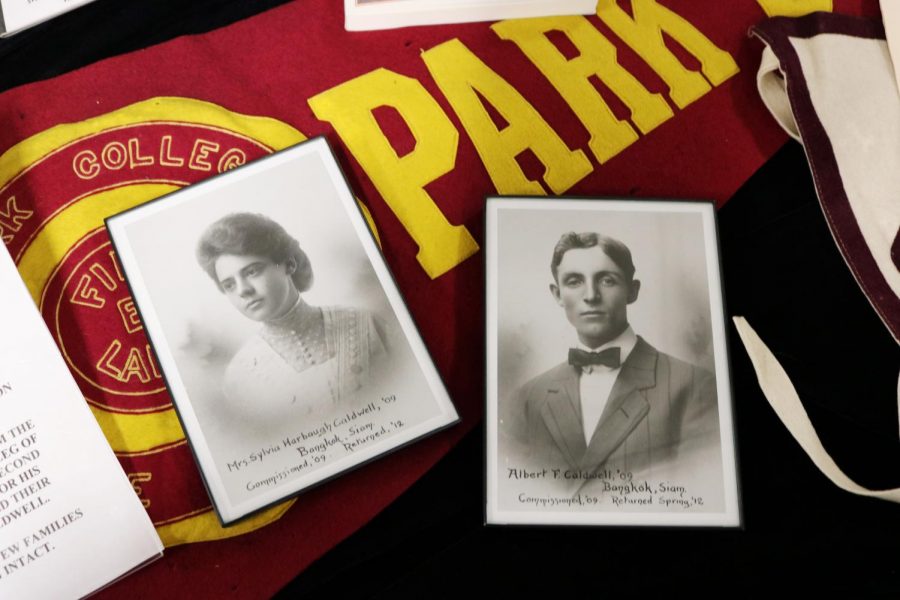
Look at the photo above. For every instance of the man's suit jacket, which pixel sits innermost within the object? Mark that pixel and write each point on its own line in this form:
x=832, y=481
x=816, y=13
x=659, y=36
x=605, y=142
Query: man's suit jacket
x=658, y=406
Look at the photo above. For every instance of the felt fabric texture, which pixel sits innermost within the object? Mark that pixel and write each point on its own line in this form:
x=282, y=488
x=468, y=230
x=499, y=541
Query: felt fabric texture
x=839, y=82
x=87, y=144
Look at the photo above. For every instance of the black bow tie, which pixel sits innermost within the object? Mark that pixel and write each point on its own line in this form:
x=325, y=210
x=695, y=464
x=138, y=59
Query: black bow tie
x=582, y=358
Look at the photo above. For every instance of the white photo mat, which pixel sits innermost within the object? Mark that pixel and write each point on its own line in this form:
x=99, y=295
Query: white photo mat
x=678, y=315
x=259, y=448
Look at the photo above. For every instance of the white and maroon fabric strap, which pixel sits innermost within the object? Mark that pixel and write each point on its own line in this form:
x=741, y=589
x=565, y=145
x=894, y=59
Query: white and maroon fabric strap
x=783, y=397
x=829, y=82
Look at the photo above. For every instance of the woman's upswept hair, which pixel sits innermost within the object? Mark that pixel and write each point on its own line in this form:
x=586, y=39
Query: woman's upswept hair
x=250, y=233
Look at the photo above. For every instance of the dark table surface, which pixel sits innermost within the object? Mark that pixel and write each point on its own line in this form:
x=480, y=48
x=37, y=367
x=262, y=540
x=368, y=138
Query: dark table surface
x=785, y=275
x=782, y=271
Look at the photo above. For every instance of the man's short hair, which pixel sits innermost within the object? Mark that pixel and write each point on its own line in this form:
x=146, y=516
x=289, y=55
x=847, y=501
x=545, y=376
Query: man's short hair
x=613, y=248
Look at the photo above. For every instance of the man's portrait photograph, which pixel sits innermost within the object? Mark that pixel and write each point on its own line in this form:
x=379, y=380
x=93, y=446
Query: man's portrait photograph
x=608, y=396
x=285, y=343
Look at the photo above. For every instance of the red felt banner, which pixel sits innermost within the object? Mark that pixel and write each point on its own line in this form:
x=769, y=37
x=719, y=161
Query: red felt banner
x=656, y=99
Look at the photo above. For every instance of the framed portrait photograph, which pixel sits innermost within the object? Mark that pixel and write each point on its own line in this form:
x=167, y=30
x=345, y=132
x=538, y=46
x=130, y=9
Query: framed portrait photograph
x=283, y=339
x=608, y=392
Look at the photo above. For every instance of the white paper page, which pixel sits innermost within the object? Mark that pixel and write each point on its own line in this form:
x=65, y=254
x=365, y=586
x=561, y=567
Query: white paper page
x=19, y=14
x=70, y=521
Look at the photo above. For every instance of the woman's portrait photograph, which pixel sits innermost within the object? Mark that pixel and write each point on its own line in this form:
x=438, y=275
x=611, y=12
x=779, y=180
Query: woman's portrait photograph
x=285, y=344
x=303, y=358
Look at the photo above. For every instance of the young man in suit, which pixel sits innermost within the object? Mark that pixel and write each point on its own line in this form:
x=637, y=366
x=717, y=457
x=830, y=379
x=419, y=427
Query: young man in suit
x=617, y=405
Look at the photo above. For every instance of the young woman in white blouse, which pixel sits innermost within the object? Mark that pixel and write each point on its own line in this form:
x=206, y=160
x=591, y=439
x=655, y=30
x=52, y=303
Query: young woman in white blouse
x=304, y=359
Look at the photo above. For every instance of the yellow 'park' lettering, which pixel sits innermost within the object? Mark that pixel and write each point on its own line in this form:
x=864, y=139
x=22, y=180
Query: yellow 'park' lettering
x=644, y=33
x=459, y=74
x=570, y=77
x=401, y=181
x=472, y=88
x=794, y=8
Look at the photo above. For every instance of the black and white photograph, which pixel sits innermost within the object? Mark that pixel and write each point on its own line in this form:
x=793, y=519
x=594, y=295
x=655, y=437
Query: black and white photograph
x=283, y=339
x=608, y=394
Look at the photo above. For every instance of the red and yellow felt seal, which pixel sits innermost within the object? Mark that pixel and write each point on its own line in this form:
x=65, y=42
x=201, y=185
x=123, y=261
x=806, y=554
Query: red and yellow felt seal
x=56, y=188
